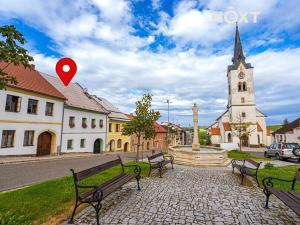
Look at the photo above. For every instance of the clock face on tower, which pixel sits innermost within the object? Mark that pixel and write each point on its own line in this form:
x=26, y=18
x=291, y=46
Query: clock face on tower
x=241, y=75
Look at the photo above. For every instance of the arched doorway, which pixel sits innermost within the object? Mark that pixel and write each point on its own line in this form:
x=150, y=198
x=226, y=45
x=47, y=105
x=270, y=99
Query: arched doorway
x=112, y=145
x=245, y=141
x=44, y=144
x=126, y=145
x=98, y=145
x=258, y=139
x=229, y=138
x=148, y=145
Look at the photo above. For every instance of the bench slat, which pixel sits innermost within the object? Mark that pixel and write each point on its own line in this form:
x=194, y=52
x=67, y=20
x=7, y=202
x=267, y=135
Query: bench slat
x=155, y=156
x=291, y=199
x=256, y=164
x=94, y=170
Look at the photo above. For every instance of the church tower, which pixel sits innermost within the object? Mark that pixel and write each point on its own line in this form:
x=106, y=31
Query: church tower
x=241, y=95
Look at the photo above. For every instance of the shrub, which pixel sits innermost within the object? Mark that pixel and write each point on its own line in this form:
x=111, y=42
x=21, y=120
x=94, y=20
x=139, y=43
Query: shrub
x=269, y=166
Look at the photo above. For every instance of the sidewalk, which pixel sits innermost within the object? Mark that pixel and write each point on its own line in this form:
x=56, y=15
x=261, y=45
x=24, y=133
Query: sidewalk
x=20, y=159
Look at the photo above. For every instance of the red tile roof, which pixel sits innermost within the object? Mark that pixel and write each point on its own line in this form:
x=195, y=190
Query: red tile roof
x=227, y=126
x=259, y=129
x=159, y=128
x=215, y=131
x=31, y=80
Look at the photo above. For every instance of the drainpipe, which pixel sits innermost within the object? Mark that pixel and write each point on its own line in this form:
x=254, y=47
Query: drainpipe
x=105, y=145
x=62, y=128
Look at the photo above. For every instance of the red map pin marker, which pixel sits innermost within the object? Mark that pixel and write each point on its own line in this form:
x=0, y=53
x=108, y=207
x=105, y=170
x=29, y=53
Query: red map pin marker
x=66, y=76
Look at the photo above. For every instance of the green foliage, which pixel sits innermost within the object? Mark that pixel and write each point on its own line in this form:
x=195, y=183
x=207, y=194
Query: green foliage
x=12, y=52
x=269, y=166
x=285, y=121
x=54, y=198
x=142, y=123
x=10, y=218
x=238, y=155
x=284, y=172
x=204, y=138
x=274, y=127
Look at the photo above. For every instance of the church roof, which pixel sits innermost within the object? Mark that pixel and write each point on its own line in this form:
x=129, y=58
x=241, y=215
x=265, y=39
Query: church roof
x=227, y=126
x=238, y=55
x=215, y=131
x=259, y=129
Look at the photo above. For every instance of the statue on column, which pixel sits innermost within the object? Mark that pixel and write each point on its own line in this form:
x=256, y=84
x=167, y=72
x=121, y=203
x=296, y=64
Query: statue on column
x=195, y=145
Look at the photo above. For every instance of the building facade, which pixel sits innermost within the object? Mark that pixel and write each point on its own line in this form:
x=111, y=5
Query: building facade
x=288, y=133
x=84, y=120
x=177, y=135
x=241, y=106
x=116, y=120
x=30, y=114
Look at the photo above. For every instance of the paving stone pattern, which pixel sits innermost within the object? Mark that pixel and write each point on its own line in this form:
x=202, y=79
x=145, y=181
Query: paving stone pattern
x=188, y=195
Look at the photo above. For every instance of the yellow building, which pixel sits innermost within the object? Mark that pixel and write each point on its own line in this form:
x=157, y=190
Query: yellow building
x=116, y=120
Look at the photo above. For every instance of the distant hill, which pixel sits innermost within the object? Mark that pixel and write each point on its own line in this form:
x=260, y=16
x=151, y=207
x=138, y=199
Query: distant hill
x=274, y=127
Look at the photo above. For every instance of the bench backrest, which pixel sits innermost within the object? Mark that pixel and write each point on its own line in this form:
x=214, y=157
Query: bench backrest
x=297, y=175
x=155, y=156
x=96, y=169
x=254, y=163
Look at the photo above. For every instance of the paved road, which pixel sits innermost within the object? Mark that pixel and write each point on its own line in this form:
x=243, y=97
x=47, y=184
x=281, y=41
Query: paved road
x=27, y=173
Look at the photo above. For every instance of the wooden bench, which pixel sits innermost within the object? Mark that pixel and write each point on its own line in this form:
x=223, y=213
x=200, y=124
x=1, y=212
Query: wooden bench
x=93, y=195
x=159, y=164
x=246, y=170
x=290, y=198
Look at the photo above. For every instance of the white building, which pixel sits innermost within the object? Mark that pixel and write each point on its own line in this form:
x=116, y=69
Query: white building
x=241, y=105
x=288, y=133
x=84, y=120
x=30, y=114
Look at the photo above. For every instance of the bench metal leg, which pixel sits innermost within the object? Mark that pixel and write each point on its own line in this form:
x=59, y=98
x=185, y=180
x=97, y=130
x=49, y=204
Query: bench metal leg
x=267, y=193
x=138, y=183
x=172, y=165
x=149, y=171
x=97, y=208
x=232, y=169
x=160, y=171
x=71, y=220
x=242, y=178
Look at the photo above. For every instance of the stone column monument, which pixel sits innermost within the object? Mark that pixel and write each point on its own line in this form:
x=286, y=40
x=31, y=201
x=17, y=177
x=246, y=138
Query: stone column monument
x=195, y=145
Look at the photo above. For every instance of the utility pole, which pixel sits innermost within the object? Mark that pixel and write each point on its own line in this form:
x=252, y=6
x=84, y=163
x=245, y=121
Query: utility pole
x=168, y=132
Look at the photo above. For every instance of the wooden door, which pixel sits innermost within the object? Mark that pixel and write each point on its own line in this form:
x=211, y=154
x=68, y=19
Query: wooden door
x=44, y=144
x=97, y=146
x=245, y=141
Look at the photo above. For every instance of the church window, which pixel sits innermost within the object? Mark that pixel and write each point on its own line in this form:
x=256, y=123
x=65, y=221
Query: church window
x=240, y=86
x=242, y=100
x=244, y=86
x=243, y=114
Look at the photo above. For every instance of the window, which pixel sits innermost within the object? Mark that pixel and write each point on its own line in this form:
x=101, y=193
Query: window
x=13, y=103
x=82, y=143
x=84, y=122
x=243, y=114
x=101, y=123
x=72, y=121
x=8, y=137
x=28, y=138
x=70, y=144
x=109, y=127
x=119, y=144
x=32, y=106
x=93, y=123
x=244, y=86
x=117, y=127
x=49, y=109
x=242, y=100
x=240, y=86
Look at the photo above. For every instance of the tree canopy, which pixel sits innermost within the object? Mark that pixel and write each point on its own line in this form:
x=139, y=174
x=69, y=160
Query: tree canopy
x=12, y=53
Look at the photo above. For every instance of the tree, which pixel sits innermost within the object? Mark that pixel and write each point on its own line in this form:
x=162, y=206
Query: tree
x=12, y=53
x=241, y=129
x=285, y=121
x=142, y=123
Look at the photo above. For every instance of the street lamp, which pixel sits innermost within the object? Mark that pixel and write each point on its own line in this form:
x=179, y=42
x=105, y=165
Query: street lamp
x=168, y=102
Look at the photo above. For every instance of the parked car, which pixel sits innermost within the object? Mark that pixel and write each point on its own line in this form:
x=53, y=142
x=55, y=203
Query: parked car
x=283, y=151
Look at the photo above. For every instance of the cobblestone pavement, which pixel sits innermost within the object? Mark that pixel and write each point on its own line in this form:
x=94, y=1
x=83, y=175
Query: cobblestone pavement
x=190, y=195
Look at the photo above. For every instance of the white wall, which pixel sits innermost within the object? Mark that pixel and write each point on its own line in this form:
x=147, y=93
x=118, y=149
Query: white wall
x=21, y=121
x=78, y=132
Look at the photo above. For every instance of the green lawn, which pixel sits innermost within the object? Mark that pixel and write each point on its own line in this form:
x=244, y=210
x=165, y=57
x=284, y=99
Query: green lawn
x=240, y=155
x=274, y=127
x=285, y=172
x=47, y=201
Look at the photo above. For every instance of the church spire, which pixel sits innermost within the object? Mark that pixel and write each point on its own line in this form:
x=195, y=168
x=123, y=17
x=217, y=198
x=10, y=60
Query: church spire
x=238, y=49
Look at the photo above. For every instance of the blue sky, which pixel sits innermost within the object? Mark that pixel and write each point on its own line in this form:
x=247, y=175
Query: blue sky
x=175, y=49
